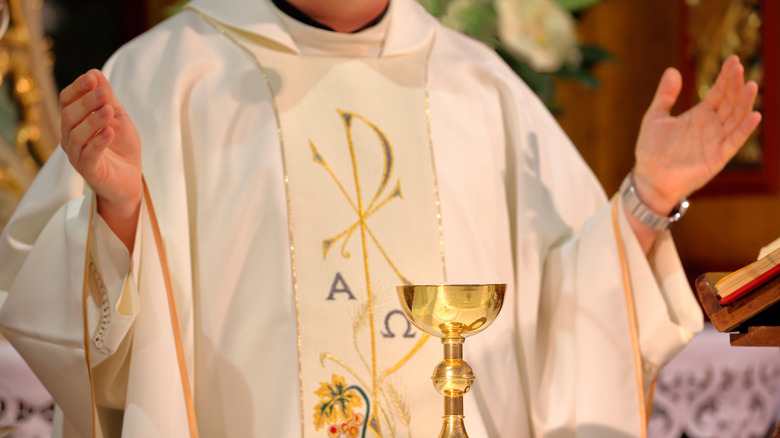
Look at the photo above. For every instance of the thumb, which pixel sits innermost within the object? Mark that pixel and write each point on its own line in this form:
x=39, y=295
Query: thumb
x=667, y=93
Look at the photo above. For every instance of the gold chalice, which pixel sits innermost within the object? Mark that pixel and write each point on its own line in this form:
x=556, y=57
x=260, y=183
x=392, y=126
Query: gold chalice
x=452, y=312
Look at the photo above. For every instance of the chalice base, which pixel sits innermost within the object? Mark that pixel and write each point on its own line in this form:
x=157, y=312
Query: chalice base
x=453, y=427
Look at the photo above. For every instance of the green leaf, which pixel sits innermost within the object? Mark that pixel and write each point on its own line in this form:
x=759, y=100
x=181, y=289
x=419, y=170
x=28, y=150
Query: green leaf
x=583, y=77
x=593, y=55
x=576, y=5
x=583, y=72
x=435, y=7
x=478, y=20
x=542, y=84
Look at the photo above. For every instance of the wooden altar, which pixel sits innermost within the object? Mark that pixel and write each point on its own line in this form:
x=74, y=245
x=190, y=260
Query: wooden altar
x=753, y=320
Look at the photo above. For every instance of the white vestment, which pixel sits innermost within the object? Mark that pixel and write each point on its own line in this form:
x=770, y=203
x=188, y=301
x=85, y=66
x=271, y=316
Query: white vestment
x=518, y=206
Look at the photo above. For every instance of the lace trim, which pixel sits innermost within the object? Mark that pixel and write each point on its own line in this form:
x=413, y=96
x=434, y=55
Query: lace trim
x=105, y=307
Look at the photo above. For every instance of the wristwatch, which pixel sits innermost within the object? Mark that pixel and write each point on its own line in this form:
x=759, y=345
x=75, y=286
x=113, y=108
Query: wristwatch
x=639, y=210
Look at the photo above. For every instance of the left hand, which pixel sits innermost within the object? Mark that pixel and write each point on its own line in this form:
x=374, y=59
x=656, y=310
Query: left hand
x=676, y=155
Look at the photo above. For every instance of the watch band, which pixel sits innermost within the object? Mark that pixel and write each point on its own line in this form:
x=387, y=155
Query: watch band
x=639, y=210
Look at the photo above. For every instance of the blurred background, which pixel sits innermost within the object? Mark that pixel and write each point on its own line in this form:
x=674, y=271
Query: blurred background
x=595, y=64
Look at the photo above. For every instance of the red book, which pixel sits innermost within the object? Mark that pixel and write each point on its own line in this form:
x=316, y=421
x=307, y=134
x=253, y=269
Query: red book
x=742, y=281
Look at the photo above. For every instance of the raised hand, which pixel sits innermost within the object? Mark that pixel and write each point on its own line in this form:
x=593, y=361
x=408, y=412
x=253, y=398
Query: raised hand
x=675, y=155
x=103, y=145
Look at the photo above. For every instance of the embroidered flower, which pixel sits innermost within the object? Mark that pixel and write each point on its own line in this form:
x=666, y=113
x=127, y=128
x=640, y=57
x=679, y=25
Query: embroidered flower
x=336, y=406
x=348, y=429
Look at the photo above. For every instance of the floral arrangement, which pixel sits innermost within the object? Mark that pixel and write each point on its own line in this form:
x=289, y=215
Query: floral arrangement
x=537, y=38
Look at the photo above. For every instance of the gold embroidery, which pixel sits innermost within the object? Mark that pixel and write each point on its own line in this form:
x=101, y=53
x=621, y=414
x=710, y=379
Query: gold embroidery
x=387, y=400
x=380, y=389
x=396, y=192
x=337, y=403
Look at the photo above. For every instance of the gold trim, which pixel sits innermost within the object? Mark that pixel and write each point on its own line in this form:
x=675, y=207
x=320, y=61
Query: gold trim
x=174, y=315
x=185, y=381
x=87, y=350
x=650, y=395
x=376, y=382
x=633, y=327
x=433, y=156
x=219, y=28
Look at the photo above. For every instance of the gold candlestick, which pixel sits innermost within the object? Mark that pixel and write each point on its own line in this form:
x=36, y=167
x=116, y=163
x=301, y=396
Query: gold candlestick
x=452, y=312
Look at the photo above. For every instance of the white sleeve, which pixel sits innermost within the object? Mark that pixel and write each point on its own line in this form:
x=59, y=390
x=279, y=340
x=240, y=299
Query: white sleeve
x=113, y=290
x=42, y=254
x=42, y=268
x=668, y=315
x=576, y=332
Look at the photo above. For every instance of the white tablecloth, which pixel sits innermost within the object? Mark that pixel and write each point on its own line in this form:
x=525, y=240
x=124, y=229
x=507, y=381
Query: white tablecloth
x=712, y=389
x=25, y=405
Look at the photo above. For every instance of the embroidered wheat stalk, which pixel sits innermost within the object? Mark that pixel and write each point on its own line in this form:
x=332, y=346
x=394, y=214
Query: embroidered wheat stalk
x=398, y=401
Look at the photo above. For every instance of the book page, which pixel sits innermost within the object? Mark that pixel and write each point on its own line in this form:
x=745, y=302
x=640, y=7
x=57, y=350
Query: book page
x=769, y=248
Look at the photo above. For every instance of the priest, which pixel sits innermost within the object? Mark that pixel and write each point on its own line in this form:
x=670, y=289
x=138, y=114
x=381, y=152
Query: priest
x=215, y=248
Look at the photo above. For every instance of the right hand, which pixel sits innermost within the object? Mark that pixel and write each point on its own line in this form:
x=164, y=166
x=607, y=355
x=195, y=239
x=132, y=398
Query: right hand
x=103, y=146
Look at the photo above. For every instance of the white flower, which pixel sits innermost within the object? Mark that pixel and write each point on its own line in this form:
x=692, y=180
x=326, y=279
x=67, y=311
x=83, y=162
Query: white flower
x=539, y=32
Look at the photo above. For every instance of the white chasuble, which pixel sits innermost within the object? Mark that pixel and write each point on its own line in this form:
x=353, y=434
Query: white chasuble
x=364, y=218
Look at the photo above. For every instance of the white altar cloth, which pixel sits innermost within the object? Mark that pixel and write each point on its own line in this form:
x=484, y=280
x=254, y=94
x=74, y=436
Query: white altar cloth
x=711, y=389
x=26, y=408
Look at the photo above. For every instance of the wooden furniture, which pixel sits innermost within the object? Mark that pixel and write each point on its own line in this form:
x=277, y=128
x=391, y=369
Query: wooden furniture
x=753, y=320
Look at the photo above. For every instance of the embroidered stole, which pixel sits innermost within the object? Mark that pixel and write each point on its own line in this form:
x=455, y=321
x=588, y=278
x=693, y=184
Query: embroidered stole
x=364, y=218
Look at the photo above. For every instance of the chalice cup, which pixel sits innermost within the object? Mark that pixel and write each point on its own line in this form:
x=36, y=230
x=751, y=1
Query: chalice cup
x=452, y=312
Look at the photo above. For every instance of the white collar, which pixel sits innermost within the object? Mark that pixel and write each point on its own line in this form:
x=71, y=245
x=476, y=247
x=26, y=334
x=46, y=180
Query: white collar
x=314, y=41
x=408, y=26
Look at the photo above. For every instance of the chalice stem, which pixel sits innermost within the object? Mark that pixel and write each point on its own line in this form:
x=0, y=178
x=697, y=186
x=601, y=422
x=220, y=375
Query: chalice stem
x=453, y=418
x=453, y=378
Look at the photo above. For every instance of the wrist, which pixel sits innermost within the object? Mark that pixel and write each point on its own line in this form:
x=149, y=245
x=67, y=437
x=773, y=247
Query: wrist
x=659, y=214
x=118, y=209
x=660, y=202
x=121, y=217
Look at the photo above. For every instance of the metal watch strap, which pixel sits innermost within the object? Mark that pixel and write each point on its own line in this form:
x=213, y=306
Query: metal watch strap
x=639, y=210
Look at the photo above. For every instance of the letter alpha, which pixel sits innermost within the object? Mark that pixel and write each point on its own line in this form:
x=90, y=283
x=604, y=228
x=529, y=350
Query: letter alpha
x=340, y=286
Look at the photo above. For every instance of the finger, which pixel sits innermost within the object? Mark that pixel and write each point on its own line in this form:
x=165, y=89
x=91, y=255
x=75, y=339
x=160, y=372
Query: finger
x=84, y=131
x=74, y=156
x=739, y=136
x=92, y=152
x=743, y=107
x=733, y=91
x=75, y=113
x=83, y=84
x=717, y=93
x=666, y=95
x=102, y=81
